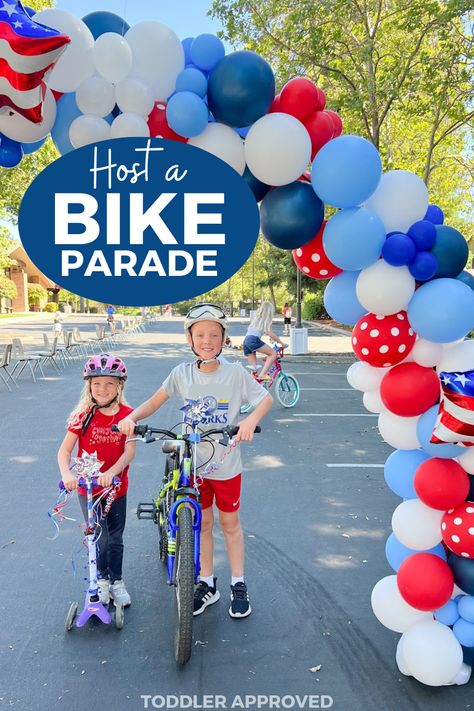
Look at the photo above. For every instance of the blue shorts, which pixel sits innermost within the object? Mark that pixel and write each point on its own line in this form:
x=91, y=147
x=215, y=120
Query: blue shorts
x=252, y=344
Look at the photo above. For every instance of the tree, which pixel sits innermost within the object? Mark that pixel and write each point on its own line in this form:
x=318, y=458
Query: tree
x=7, y=288
x=37, y=294
x=7, y=245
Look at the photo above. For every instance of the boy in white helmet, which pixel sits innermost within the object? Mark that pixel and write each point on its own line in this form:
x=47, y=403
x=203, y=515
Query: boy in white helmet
x=230, y=386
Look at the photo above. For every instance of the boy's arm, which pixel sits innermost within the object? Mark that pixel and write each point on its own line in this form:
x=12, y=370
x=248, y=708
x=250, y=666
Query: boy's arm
x=147, y=408
x=105, y=478
x=64, y=460
x=247, y=426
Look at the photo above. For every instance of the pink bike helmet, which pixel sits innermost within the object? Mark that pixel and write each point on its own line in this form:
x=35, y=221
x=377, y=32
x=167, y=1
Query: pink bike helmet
x=105, y=364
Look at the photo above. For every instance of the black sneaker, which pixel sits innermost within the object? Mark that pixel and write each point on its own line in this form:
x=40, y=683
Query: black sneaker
x=240, y=606
x=204, y=595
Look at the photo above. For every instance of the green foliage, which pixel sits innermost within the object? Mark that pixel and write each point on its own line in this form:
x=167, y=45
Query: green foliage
x=7, y=245
x=37, y=294
x=313, y=308
x=51, y=307
x=93, y=310
x=7, y=287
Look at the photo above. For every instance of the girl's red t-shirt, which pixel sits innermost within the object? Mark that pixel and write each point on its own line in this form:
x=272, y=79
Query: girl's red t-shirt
x=108, y=445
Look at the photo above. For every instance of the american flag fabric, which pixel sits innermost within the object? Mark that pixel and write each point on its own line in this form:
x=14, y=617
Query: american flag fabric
x=28, y=51
x=455, y=421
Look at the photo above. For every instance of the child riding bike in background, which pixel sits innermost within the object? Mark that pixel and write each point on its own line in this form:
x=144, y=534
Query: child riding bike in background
x=261, y=324
x=102, y=404
x=228, y=385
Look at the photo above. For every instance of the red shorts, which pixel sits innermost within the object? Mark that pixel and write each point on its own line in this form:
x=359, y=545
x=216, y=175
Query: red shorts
x=225, y=493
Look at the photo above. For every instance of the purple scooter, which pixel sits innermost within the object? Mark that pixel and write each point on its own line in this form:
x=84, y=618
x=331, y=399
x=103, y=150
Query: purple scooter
x=87, y=468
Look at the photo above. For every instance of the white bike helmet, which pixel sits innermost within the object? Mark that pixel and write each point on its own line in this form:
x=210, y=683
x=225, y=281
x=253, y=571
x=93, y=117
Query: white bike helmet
x=205, y=312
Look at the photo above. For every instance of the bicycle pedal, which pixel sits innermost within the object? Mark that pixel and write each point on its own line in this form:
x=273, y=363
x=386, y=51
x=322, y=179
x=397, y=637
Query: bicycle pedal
x=146, y=510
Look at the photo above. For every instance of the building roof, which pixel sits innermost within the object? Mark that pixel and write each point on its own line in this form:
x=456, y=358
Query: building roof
x=31, y=269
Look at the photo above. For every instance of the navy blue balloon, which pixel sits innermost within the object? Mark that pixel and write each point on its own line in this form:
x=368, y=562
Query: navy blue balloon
x=466, y=278
x=103, y=21
x=423, y=234
x=423, y=266
x=451, y=251
x=463, y=572
x=468, y=655
x=11, y=152
x=258, y=188
x=434, y=214
x=241, y=89
x=291, y=215
x=470, y=496
x=398, y=249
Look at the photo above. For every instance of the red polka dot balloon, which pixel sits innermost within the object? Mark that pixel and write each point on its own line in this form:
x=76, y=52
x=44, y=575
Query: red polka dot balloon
x=311, y=259
x=457, y=528
x=383, y=341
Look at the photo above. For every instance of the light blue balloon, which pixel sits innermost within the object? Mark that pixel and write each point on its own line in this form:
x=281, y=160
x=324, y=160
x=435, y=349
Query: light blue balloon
x=448, y=614
x=464, y=632
x=66, y=111
x=396, y=552
x=187, y=42
x=206, y=51
x=340, y=299
x=466, y=607
x=32, y=147
x=187, y=114
x=442, y=310
x=192, y=80
x=353, y=238
x=346, y=171
x=399, y=471
x=424, y=430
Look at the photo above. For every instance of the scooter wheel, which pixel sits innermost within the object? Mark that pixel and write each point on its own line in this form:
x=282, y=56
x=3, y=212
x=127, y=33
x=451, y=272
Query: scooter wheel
x=119, y=615
x=71, y=615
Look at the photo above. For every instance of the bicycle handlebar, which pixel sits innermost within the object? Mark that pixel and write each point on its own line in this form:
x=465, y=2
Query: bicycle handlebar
x=82, y=482
x=143, y=430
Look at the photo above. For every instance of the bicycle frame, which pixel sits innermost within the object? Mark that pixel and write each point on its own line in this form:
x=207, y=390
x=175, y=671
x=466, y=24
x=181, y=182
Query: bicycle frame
x=274, y=371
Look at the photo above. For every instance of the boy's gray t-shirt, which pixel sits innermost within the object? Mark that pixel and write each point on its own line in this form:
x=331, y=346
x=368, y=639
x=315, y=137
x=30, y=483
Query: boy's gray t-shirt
x=231, y=385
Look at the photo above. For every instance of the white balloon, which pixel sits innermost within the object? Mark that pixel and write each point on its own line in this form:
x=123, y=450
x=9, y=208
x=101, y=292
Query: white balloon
x=88, y=129
x=416, y=525
x=76, y=63
x=400, y=199
x=277, y=149
x=432, y=653
x=466, y=460
x=134, y=96
x=129, y=125
x=383, y=289
x=158, y=56
x=398, y=432
x=352, y=372
x=18, y=128
x=391, y=609
x=223, y=142
x=363, y=376
x=95, y=96
x=458, y=357
x=401, y=664
x=427, y=353
x=373, y=402
x=112, y=57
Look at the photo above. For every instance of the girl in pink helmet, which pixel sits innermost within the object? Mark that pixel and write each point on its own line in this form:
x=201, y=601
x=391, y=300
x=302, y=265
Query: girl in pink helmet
x=101, y=405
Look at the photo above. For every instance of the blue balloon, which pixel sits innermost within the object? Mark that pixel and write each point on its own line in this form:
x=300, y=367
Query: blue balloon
x=207, y=51
x=442, y=310
x=423, y=234
x=423, y=266
x=398, y=249
x=102, y=21
x=243, y=131
x=463, y=572
x=66, y=111
x=187, y=42
x=448, y=614
x=466, y=607
x=346, y=171
x=434, y=214
x=11, y=152
x=399, y=471
x=241, y=89
x=258, y=188
x=466, y=278
x=291, y=215
x=464, y=632
x=340, y=299
x=192, y=80
x=424, y=430
x=353, y=238
x=33, y=147
x=451, y=251
x=470, y=496
x=396, y=552
x=187, y=114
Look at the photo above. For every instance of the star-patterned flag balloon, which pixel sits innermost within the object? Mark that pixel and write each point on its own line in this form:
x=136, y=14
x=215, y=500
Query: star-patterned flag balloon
x=455, y=421
x=28, y=52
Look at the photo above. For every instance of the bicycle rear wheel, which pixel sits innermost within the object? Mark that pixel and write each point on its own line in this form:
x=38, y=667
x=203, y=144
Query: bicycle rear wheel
x=287, y=390
x=184, y=586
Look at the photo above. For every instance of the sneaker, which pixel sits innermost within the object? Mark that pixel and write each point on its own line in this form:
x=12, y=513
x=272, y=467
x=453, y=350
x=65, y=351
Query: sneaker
x=265, y=378
x=204, y=595
x=104, y=594
x=118, y=593
x=240, y=605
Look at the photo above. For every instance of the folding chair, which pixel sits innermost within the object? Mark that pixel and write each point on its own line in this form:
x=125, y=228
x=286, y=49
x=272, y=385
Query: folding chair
x=5, y=360
x=50, y=355
x=32, y=360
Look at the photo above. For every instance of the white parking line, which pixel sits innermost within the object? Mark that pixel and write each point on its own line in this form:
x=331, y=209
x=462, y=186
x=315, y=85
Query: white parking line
x=355, y=466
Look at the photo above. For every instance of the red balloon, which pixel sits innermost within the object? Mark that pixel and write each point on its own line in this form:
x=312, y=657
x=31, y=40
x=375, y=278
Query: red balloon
x=441, y=484
x=409, y=389
x=275, y=105
x=57, y=94
x=300, y=98
x=336, y=120
x=312, y=260
x=457, y=528
x=383, y=341
x=425, y=581
x=158, y=124
x=320, y=128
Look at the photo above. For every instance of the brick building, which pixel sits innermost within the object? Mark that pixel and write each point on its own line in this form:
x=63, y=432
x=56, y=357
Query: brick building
x=22, y=273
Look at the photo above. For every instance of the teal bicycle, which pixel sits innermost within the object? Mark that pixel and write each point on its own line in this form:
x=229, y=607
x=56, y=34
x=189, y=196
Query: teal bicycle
x=287, y=388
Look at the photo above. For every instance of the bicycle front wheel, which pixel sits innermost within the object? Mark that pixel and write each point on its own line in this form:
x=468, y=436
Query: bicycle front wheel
x=287, y=390
x=184, y=586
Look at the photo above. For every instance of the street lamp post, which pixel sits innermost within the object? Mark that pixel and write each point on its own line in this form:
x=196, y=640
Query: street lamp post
x=253, y=280
x=298, y=298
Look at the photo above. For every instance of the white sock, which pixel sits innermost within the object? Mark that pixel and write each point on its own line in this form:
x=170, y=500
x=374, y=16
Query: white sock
x=209, y=579
x=237, y=580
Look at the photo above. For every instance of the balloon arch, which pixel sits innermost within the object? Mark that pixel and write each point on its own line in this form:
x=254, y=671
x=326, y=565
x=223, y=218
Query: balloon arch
x=395, y=270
